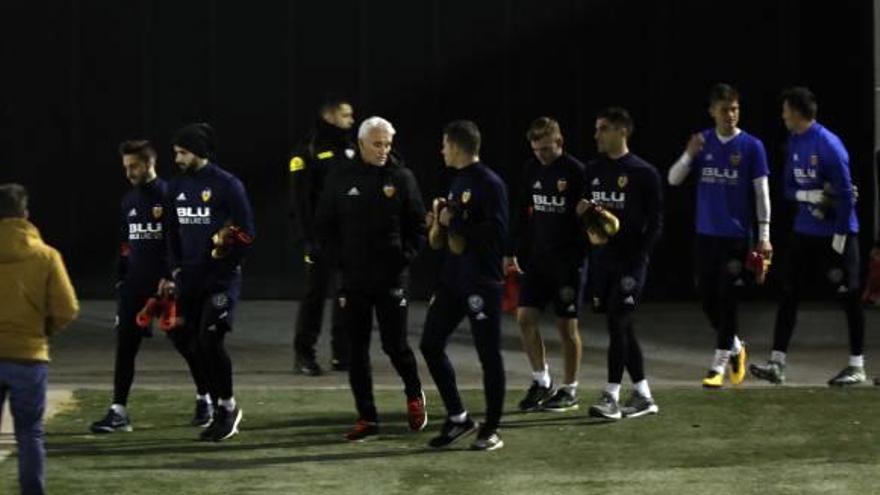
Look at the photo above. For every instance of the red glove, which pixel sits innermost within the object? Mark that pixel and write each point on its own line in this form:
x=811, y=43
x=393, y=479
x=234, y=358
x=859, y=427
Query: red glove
x=758, y=263
x=163, y=308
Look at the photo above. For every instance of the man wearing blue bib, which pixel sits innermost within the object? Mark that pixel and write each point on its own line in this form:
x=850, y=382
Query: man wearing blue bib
x=730, y=166
x=824, y=243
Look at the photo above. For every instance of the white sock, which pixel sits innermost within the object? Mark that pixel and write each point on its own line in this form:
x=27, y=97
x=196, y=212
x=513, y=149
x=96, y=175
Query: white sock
x=118, y=409
x=542, y=377
x=614, y=390
x=737, y=345
x=777, y=356
x=642, y=388
x=571, y=388
x=722, y=357
x=857, y=361
x=458, y=418
x=203, y=398
x=228, y=404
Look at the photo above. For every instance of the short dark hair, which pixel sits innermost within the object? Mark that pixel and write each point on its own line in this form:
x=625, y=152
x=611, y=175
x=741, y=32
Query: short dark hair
x=723, y=92
x=619, y=117
x=331, y=102
x=464, y=134
x=138, y=147
x=13, y=201
x=802, y=100
x=543, y=127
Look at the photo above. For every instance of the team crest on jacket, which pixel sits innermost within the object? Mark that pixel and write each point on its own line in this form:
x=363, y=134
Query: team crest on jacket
x=814, y=160
x=389, y=190
x=206, y=195
x=157, y=212
x=735, y=159
x=466, y=196
x=562, y=185
x=622, y=181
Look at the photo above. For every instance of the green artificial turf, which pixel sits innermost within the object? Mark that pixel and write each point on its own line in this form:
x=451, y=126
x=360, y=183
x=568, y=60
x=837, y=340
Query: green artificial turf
x=779, y=441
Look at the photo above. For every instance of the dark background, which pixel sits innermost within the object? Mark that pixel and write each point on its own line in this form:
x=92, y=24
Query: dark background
x=79, y=76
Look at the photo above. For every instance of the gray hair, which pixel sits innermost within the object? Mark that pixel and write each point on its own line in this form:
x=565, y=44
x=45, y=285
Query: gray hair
x=13, y=201
x=374, y=122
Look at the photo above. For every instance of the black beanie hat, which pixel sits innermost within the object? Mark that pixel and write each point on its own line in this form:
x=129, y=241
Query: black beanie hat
x=197, y=138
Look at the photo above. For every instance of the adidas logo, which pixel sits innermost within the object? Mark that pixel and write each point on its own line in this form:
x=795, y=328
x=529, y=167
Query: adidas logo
x=842, y=289
x=571, y=308
x=132, y=212
x=629, y=300
x=349, y=153
x=595, y=182
x=354, y=191
x=403, y=303
x=536, y=185
x=181, y=197
x=481, y=316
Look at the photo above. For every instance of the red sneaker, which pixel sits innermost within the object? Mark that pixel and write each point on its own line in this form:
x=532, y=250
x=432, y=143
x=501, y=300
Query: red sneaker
x=362, y=430
x=415, y=411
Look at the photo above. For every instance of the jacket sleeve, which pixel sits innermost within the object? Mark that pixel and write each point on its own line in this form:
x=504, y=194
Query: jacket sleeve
x=835, y=160
x=326, y=220
x=123, y=246
x=302, y=211
x=171, y=228
x=519, y=221
x=653, y=191
x=62, y=305
x=412, y=225
x=241, y=216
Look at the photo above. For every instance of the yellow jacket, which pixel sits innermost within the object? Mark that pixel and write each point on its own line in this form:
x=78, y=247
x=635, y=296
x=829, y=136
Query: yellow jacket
x=36, y=296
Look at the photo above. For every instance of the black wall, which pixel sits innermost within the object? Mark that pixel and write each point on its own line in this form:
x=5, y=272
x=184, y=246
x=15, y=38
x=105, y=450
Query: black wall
x=79, y=76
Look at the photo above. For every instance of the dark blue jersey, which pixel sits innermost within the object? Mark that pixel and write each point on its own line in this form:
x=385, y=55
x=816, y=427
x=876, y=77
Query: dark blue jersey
x=142, y=259
x=201, y=203
x=479, y=197
x=725, y=188
x=816, y=158
x=630, y=188
x=546, y=224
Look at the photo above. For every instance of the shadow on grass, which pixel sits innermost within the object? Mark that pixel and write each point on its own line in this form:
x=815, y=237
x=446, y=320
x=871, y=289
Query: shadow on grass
x=534, y=420
x=239, y=464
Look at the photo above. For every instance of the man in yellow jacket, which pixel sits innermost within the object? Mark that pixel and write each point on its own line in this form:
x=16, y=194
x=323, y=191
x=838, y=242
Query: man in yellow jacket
x=36, y=300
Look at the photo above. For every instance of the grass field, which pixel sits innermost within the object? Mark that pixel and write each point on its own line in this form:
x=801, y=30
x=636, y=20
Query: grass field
x=769, y=441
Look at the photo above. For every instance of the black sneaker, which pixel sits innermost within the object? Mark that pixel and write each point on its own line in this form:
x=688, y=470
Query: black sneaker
x=307, y=367
x=606, y=407
x=851, y=375
x=638, y=405
x=487, y=439
x=535, y=397
x=452, y=431
x=877, y=381
x=225, y=424
x=773, y=372
x=113, y=421
x=337, y=364
x=203, y=414
x=562, y=401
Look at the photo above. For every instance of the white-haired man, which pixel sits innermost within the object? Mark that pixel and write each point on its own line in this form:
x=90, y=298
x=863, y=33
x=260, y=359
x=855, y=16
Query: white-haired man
x=372, y=217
